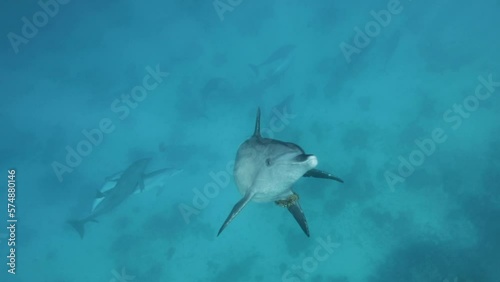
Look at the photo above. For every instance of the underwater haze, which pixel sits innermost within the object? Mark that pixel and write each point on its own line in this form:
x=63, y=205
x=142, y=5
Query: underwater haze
x=121, y=121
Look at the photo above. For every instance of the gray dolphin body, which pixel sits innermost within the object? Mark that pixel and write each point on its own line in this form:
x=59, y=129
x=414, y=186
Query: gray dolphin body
x=265, y=170
x=157, y=179
x=280, y=56
x=125, y=186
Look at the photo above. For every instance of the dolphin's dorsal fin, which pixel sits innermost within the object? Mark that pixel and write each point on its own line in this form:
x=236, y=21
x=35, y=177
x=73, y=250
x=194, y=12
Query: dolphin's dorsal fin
x=257, y=124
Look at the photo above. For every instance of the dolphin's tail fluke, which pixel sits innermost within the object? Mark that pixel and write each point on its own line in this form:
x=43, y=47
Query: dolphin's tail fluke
x=79, y=226
x=255, y=69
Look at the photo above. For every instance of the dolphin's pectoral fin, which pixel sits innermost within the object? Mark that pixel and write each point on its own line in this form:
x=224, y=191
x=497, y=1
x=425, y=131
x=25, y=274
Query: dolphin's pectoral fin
x=114, y=177
x=292, y=204
x=316, y=173
x=99, y=195
x=78, y=225
x=236, y=210
x=299, y=216
x=103, y=194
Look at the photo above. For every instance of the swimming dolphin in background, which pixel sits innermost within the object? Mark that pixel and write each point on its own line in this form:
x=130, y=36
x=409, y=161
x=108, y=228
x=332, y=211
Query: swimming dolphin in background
x=156, y=179
x=280, y=57
x=126, y=185
x=265, y=170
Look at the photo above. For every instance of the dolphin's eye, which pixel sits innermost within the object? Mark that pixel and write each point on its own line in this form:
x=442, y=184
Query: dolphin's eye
x=268, y=161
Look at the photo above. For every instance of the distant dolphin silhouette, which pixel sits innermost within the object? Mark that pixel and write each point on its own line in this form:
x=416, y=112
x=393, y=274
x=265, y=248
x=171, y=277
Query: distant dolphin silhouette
x=281, y=54
x=155, y=179
x=125, y=186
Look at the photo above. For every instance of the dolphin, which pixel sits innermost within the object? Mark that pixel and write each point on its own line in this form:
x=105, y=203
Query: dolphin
x=280, y=55
x=125, y=186
x=265, y=170
x=152, y=180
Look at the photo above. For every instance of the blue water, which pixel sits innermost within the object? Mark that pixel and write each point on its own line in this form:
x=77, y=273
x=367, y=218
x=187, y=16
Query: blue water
x=399, y=99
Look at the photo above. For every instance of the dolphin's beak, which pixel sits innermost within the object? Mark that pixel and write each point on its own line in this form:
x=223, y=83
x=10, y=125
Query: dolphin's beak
x=304, y=158
x=312, y=160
